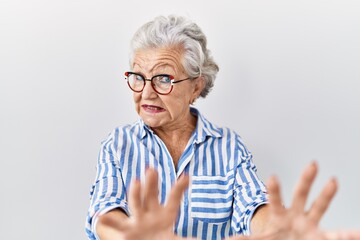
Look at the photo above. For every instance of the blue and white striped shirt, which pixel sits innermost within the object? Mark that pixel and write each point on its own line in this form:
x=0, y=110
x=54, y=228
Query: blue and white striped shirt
x=224, y=189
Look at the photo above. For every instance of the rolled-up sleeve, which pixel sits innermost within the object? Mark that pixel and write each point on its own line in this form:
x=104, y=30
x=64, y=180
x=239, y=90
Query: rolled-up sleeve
x=108, y=191
x=249, y=191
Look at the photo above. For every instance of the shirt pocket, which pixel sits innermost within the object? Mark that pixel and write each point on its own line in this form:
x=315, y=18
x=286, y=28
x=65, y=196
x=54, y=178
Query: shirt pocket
x=211, y=198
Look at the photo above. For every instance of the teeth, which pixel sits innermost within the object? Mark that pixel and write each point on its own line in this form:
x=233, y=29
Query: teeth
x=153, y=108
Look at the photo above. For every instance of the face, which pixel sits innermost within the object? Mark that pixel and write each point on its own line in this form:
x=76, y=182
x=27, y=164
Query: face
x=164, y=111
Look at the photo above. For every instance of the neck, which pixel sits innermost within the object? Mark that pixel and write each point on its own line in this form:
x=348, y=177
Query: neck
x=176, y=138
x=179, y=132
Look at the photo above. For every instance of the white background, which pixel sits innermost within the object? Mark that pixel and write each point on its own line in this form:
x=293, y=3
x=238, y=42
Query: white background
x=289, y=84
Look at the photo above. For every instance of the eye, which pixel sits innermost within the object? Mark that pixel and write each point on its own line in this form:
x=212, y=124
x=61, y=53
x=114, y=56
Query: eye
x=138, y=78
x=164, y=79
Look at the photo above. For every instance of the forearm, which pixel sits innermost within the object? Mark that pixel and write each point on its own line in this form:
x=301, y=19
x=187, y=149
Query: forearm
x=108, y=225
x=259, y=221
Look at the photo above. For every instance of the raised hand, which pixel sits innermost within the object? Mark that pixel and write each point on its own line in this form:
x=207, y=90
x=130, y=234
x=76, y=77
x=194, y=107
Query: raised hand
x=149, y=219
x=296, y=223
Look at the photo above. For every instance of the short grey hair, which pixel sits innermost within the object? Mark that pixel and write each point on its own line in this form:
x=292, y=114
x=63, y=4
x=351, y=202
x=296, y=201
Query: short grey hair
x=173, y=31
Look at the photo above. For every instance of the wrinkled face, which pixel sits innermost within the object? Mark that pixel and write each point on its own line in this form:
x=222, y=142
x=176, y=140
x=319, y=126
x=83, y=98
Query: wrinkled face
x=164, y=111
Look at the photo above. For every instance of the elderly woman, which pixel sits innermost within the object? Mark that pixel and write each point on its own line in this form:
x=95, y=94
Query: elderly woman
x=144, y=168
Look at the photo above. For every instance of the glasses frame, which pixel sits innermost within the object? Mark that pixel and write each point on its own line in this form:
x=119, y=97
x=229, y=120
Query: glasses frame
x=172, y=81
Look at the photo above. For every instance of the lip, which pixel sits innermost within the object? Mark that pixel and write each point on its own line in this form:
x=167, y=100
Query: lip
x=152, y=108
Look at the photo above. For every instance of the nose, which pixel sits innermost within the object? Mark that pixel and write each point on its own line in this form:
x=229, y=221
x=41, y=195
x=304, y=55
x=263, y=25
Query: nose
x=148, y=91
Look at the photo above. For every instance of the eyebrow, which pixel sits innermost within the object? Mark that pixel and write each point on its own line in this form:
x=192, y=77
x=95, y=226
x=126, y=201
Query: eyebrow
x=173, y=67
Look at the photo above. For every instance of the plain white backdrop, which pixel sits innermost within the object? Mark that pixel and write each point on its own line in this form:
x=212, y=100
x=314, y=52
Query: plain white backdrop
x=289, y=84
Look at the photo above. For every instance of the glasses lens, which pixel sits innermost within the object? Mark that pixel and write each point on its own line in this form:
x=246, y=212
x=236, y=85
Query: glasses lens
x=162, y=83
x=136, y=82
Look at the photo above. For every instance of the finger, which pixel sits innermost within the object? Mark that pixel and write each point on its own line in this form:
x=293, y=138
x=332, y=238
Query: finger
x=135, y=197
x=151, y=189
x=181, y=238
x=302, y=188
x=173, y=203
x=322, y=202
x=238, y=238
x=343, y=235
x=275, y=202
x=257, y=237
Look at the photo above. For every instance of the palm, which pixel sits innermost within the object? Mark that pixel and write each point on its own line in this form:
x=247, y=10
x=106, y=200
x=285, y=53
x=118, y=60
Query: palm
x=149, y=219
x=296, y=223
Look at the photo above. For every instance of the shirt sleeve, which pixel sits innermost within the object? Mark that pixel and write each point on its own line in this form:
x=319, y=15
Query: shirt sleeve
x=249, y=190
x=108, y=191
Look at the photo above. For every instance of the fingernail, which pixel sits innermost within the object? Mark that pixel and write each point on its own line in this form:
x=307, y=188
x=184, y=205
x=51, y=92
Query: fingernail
x=334, y=179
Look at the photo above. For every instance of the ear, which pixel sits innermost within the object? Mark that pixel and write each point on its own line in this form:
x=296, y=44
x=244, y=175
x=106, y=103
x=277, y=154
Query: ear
x=199, y=85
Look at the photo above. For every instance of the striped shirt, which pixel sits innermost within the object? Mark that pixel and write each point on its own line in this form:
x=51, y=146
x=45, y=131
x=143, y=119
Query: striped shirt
x=224, y=189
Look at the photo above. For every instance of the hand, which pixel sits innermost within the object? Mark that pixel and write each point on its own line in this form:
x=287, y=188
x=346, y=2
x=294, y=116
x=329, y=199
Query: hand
x=295, y=223
x=149, y=219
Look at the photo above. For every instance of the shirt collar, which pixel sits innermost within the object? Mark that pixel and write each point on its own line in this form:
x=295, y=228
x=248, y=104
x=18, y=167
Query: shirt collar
x=203, y=128
x=144, y=129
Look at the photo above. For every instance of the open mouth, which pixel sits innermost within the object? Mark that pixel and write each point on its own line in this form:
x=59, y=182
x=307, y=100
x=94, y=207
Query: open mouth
x=152, y=108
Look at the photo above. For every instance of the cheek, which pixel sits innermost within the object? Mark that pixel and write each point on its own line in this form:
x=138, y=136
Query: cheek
x=178, y=104
x=136, y=97
x=184, y=99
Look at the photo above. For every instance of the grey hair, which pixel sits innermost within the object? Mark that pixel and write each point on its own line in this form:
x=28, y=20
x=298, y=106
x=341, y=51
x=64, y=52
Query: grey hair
x=175, y=31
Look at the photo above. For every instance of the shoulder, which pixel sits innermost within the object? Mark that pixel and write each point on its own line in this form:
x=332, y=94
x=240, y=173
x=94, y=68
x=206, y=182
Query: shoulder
x=220, y=131
x=238, y=142
x=121, y=133
x=227, y=135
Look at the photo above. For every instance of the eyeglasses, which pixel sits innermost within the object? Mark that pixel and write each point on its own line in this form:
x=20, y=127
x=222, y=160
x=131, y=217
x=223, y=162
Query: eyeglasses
x=161, y=83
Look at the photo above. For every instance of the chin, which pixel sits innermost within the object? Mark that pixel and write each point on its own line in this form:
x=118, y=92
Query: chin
x=151, y=122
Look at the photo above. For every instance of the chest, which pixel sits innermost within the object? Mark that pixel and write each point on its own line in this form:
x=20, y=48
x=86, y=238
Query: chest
x=175, y=150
